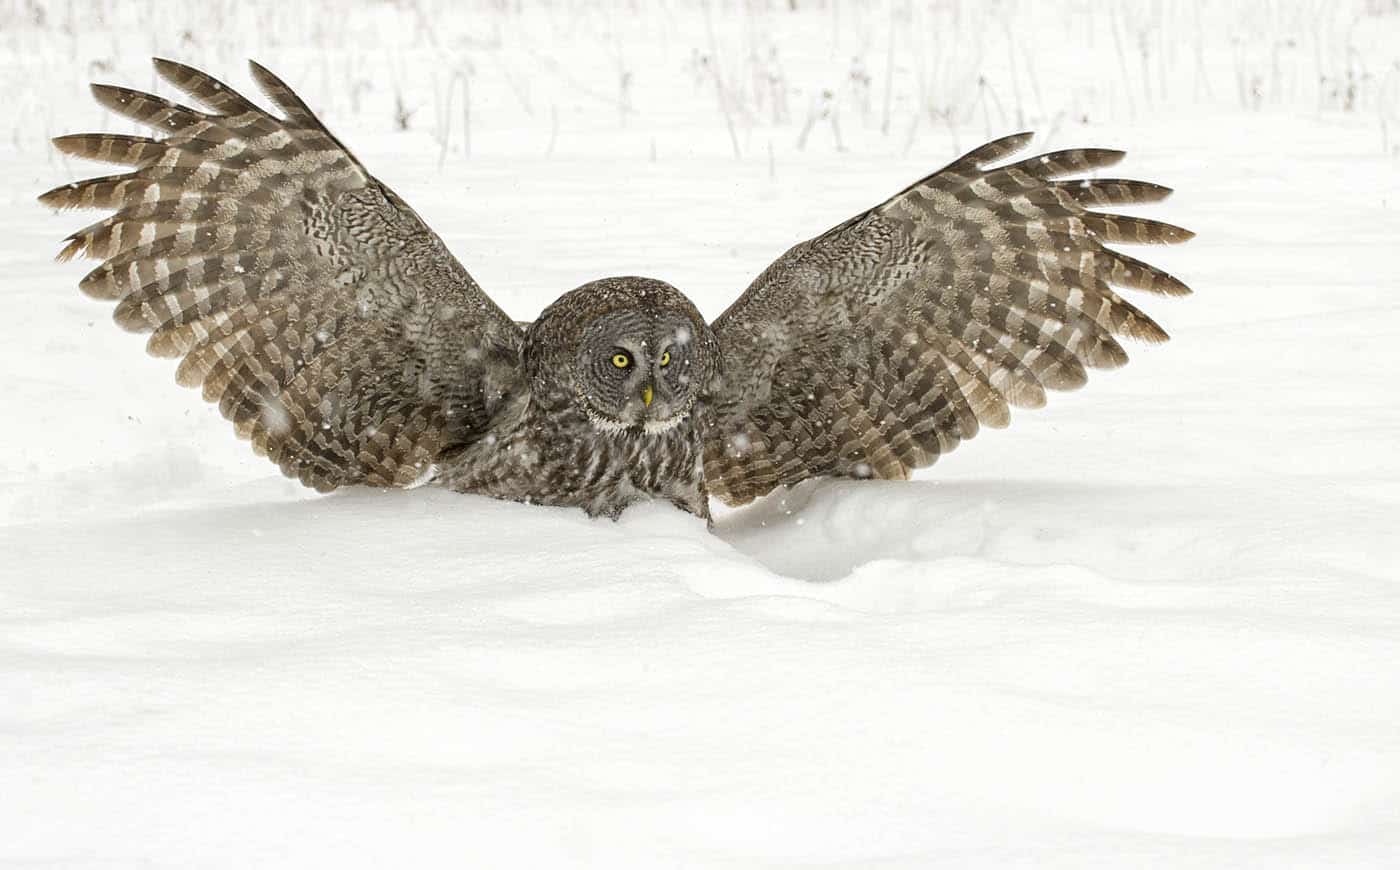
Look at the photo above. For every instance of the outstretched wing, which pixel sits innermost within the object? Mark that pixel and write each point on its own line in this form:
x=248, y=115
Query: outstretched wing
x=879, y=345
x=331, y=326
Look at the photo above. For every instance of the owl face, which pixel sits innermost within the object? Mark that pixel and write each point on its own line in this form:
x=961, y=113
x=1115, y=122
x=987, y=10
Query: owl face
x=632, y=353
x=636, y=369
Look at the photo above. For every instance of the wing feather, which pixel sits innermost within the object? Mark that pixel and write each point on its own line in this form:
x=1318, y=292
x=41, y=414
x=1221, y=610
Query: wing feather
x=306, y=300
x=876, y=347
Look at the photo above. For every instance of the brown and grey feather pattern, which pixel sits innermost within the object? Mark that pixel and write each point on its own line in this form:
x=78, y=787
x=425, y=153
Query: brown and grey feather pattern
x=880, y=345
x=328, y=323
x=335, y=331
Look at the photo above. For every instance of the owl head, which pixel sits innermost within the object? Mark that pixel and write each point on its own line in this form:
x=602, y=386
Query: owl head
x=632, y=353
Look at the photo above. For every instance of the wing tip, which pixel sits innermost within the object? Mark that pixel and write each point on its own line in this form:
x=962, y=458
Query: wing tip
x=997, y=149
x=995, y=417
x=82, y=145
x=73, y=248
x=1173, y=286
x=172, y=70
x=282, y=95
x=1145, y=191
x=1163, y=233
x=1146, y=330
x=266, y=79
x=56, y=198
x=115, y=97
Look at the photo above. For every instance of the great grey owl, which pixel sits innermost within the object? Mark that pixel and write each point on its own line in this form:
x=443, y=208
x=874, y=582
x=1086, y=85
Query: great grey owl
x=335, y=331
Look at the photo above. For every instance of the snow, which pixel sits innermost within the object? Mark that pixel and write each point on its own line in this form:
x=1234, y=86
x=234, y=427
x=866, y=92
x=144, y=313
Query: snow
x=1156, y=623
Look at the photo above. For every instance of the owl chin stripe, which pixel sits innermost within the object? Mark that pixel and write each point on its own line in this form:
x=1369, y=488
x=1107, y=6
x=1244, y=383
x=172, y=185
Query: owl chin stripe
x=656, y=427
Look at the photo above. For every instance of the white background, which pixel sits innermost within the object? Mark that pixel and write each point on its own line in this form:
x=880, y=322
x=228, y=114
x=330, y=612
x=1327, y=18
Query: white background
x=1154, y=624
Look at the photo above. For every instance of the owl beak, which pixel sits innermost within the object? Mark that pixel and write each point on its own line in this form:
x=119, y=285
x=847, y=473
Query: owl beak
x=646, y=395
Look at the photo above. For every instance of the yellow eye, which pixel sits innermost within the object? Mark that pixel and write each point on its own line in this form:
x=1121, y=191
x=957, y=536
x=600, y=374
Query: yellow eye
x=665, y=359
x=621, y=360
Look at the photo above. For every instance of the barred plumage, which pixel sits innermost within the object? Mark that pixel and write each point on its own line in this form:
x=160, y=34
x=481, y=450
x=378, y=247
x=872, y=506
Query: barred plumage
x=305, y=298
x=883, y=343
x=336, y=332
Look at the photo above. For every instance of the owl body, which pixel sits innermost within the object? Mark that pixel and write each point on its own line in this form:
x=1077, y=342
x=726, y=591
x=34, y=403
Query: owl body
x=549, y=453
x=337, y=333
x=586, y=432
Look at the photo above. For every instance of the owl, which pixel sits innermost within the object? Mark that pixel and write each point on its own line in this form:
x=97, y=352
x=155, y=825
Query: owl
x=337, y=333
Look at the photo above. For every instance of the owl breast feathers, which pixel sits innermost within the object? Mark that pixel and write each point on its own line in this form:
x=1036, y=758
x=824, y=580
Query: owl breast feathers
x=338, y=334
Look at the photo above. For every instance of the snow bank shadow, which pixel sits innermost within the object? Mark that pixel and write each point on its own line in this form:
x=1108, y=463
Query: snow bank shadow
x=828, y=530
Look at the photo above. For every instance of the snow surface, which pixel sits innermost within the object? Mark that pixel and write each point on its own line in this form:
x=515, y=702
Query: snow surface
x=1154, y=624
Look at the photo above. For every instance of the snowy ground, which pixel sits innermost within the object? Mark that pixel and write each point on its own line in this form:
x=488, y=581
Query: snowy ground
x=1155, y=624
